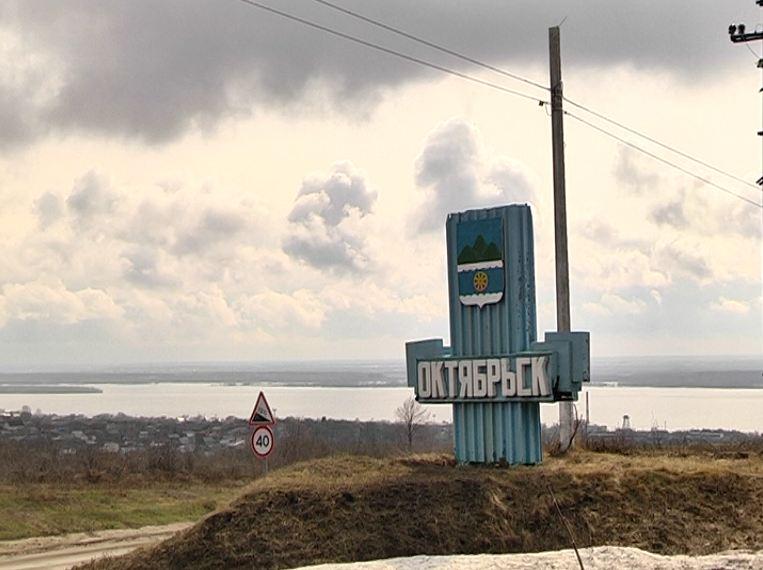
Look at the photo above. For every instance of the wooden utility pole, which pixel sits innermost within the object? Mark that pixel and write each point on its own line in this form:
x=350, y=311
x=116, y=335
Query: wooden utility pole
x=738, y=34
x=560, y=216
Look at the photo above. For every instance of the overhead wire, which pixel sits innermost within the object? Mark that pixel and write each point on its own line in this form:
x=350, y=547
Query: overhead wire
x=757, y=56
x=501, y=88
x=390, y=51
x=431, y=44
x=661, y=159
x=504, y=72
x=659, y=143
x=517, y=77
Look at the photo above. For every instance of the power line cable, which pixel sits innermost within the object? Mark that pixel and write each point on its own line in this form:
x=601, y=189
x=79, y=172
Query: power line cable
x=517, y=77
x=757, y=56
x=473, y=79
x=390, y=51
x=661, y=159
x=431, y=44
x=658, y=143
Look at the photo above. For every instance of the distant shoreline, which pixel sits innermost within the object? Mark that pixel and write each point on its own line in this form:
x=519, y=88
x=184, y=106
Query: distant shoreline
x=666, y=373
x=89, y=387
x=37, y=389
x=34, y=384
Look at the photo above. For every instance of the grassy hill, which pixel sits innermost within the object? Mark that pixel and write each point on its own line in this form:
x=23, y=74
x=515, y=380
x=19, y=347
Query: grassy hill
x=352, y=508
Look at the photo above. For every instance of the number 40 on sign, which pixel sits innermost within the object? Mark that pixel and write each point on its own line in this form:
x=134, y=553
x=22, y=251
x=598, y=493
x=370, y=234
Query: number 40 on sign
x=261, y=420
x=262, y=441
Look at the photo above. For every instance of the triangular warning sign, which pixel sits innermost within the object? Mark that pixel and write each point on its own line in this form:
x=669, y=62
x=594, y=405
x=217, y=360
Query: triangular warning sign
x=261, y=415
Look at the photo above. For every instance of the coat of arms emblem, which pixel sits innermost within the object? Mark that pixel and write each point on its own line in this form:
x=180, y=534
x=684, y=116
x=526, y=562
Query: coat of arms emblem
x=480, y=261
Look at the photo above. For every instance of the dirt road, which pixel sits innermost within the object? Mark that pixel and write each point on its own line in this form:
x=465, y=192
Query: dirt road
x=61, y=552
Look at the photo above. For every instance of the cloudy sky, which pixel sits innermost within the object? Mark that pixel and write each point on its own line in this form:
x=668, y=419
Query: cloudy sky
x=200, y=180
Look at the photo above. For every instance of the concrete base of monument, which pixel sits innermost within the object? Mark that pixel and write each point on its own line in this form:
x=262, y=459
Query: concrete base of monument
x=595, y=558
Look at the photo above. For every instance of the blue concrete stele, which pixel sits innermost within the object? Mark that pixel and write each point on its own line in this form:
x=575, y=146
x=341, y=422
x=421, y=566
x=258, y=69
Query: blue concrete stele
x=495, y=372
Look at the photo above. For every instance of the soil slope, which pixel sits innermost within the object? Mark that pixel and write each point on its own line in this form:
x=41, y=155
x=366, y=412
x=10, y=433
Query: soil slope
x=351, y=509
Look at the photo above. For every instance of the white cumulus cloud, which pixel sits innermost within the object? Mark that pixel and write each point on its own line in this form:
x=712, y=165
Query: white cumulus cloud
x=456, y=173
x=52, y=301
x=731, y=306
x=326, y=223
x=613, y=304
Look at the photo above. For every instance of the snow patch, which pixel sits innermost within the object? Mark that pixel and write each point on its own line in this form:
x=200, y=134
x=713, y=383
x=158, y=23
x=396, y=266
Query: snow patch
x=596, y=558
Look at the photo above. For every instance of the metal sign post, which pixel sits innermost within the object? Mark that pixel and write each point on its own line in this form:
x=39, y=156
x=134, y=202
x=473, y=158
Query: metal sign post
x=496, y=373
x=261, y=439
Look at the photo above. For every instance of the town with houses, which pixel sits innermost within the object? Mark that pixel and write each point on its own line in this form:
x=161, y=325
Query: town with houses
x=124, y=434
x=121, y=433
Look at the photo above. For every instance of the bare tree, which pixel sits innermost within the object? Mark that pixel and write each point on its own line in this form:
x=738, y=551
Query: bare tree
x=412, y=415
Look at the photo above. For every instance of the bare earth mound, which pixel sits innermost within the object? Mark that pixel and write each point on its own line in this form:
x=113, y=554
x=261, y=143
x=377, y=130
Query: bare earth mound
x=351, y=509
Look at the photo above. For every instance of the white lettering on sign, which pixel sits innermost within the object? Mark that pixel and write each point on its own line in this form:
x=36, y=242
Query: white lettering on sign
x=438, y=383
x=540, y=376
x=484, y=378
x=493, y=376
x=508, y=379
x=424, y=380
x=450, y=368
x=465, y=376
x=480, y=378
x=522, y=364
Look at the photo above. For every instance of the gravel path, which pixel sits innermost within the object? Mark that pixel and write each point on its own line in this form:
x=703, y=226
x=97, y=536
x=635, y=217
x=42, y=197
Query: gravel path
x=61, y=552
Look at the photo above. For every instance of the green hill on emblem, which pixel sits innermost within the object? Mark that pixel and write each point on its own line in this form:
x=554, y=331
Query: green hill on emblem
x=478, y=252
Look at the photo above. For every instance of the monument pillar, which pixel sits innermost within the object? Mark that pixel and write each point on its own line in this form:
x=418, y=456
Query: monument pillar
x=495, y=372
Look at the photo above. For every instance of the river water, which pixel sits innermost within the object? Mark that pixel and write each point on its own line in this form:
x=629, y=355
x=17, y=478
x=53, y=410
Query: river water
x=671, y=408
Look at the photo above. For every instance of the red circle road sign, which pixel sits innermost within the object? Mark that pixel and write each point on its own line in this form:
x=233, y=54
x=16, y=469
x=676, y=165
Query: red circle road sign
x=262, y=441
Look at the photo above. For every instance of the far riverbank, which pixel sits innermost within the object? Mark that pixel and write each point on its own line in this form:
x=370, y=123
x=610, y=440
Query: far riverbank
x=647, y=408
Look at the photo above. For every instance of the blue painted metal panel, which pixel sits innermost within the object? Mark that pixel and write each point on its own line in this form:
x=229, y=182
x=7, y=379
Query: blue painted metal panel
x=573, y=361
x=580, y=361
x=466, y=283
x=491, y=432
x=496, y=431
x=431, y=348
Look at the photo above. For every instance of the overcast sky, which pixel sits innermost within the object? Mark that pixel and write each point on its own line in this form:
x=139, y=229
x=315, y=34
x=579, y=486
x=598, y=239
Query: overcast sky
x=200, y=180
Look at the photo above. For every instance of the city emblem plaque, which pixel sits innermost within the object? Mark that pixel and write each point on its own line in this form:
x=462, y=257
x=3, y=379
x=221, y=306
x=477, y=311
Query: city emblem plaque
x=480, y=262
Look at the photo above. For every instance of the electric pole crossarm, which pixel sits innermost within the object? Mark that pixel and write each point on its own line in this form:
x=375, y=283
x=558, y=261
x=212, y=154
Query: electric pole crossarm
x=751, y=37
x=737, y=35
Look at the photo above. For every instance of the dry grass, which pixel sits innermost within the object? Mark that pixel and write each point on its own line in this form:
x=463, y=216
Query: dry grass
x=350, y=508
x=45, y=509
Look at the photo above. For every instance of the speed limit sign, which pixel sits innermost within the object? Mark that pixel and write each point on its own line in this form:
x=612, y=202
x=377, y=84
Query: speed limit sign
x=262, y=441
